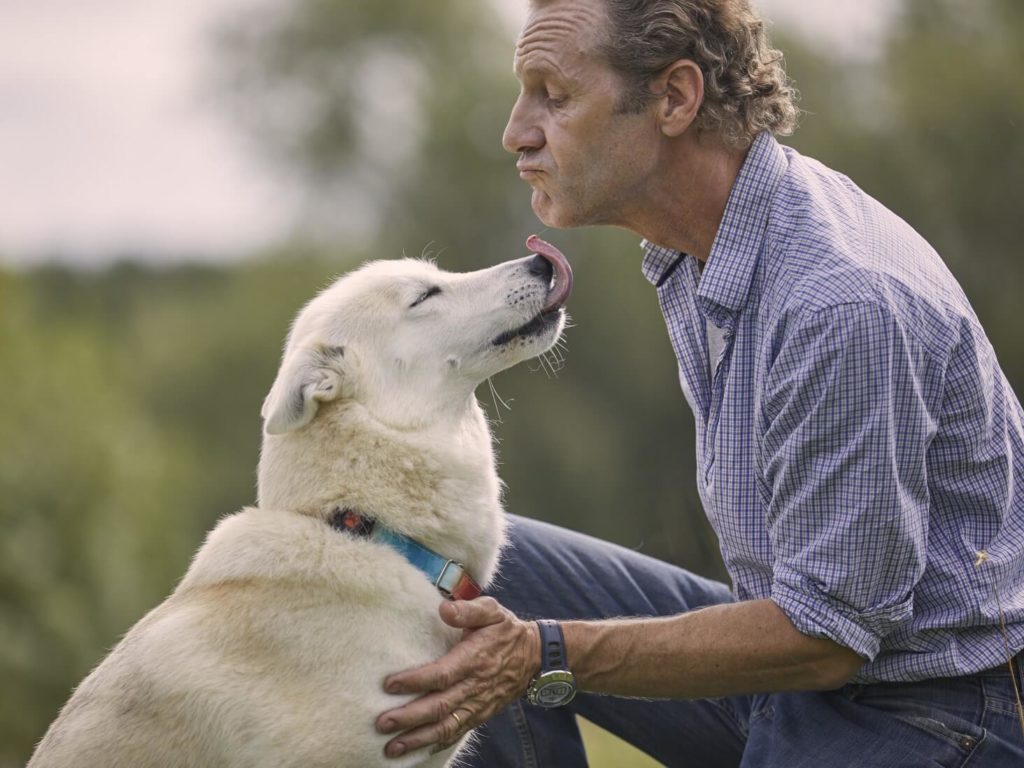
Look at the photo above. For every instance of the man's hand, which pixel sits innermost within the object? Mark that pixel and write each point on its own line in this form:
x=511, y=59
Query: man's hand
x=491, y=666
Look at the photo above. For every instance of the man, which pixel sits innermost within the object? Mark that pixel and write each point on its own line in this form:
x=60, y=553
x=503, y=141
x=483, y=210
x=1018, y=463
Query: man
x=860, y=453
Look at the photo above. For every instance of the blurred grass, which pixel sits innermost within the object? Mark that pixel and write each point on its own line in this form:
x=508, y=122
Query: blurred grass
x=605, y=750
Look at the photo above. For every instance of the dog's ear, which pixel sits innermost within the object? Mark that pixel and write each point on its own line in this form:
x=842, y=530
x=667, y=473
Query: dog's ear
x=309, y=375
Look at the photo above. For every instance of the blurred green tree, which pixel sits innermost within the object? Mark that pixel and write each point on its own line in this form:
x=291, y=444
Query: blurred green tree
x=389, y=112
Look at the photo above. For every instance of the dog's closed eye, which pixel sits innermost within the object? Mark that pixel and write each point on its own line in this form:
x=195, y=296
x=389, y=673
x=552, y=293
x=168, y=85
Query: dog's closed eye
x=432, y=291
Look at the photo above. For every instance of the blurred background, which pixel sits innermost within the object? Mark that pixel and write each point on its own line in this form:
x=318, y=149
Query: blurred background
x=178, y=177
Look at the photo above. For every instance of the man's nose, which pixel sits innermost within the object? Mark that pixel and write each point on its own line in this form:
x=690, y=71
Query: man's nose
x=521, y=134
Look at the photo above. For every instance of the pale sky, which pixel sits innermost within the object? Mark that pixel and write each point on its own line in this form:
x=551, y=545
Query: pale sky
x=109, y=145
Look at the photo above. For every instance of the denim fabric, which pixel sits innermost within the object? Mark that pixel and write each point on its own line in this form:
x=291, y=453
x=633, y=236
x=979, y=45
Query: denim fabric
x=550, y=572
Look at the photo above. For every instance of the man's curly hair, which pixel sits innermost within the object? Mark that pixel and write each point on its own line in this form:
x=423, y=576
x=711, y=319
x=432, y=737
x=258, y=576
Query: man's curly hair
x=746, y=89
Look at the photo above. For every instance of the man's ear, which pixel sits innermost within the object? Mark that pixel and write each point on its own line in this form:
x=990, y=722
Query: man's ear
x=680, y=87
x=309, y=375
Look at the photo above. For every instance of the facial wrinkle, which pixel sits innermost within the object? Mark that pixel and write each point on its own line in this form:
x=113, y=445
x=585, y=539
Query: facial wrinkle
x=559, y=26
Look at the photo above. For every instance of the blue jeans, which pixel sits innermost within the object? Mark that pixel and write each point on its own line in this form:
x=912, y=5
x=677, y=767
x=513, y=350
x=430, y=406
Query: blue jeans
x=550, y=572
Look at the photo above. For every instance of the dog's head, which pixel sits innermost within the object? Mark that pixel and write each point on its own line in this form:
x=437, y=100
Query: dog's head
x=410, y=342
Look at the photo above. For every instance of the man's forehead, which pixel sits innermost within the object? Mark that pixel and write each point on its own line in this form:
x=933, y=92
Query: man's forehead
x=565, y=26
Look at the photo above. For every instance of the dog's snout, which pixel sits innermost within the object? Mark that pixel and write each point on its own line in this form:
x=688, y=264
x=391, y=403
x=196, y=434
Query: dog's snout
x=541, y=267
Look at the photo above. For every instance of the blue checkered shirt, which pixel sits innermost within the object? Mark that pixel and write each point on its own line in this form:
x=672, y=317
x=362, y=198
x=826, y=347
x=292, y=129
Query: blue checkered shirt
x=858, y=444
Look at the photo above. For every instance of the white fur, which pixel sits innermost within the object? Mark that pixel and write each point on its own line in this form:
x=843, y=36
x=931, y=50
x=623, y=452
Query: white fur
x=273, y=648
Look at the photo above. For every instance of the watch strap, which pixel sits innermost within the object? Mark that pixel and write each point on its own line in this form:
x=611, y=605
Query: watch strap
x=552, y=646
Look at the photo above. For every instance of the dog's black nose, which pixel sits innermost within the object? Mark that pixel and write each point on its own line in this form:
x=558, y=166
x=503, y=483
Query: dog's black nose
x=541, y=267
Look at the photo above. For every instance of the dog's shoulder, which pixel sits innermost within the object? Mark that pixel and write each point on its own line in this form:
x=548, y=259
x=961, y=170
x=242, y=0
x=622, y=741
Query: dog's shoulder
x=253, y=544
x=260, y=548
x=267, y=551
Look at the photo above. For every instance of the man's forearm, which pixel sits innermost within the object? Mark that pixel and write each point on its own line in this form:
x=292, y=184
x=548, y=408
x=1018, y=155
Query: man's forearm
x=721, y=650
x=725, y=649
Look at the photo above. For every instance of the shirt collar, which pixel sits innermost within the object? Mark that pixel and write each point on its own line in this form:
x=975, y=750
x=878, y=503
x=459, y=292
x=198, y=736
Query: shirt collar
x=729, y=272
x=659, y=262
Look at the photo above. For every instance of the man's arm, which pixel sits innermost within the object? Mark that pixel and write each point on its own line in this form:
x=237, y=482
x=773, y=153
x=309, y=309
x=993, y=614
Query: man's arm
x=717, y=651
x=721, y=650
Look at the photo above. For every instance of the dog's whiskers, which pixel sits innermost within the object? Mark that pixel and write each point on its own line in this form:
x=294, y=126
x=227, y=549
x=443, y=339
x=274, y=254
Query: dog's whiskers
x=540, y=366
x=544, y=364
x=550, y=361
x=556, y=361
x=496, y=398
x=429, y=254
x=554, y=364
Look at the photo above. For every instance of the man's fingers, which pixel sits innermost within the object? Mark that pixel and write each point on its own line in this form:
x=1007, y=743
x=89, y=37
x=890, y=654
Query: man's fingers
x=450, y=668
x=438, y=735
x=472, y=614
x=427, y=710
x=435, y=676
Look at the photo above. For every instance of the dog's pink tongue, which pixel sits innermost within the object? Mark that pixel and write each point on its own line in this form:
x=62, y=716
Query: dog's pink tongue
x=563, y=272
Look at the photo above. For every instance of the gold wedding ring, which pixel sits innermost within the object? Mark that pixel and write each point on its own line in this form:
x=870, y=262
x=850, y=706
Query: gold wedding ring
x=457, y=720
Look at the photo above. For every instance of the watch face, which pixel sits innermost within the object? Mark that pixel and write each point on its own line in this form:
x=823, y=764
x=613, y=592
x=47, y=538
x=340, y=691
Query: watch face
x=554, y=689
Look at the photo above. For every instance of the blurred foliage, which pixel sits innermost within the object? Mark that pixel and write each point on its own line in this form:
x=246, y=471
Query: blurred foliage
x=935, y=130
x=390, y=112
x=129, y=400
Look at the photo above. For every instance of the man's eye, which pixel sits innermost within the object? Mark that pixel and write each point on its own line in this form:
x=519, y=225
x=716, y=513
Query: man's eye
x=555, y=100
x=432, y=291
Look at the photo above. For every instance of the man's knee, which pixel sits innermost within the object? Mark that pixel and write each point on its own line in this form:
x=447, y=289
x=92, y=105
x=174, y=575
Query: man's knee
x=553, y=572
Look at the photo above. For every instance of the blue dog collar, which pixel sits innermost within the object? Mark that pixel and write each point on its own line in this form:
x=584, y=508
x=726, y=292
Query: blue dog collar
x=450, y=577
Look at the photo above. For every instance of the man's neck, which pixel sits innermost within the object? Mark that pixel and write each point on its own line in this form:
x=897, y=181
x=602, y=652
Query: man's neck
x=687, y=201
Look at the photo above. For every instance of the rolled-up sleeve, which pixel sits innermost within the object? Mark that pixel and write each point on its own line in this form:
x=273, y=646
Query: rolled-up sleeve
x=845, y=424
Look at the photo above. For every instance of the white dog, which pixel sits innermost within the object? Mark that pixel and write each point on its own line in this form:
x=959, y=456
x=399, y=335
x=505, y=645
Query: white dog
x=273, y=648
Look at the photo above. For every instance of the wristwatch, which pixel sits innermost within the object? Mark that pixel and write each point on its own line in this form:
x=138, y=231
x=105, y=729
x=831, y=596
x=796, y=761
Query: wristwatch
x=555, y=686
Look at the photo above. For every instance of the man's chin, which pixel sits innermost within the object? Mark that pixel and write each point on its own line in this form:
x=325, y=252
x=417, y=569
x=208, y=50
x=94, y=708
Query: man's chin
x=550, y=214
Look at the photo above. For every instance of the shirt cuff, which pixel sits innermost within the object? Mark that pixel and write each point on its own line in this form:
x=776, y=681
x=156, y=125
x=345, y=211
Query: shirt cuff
x=817, y=614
